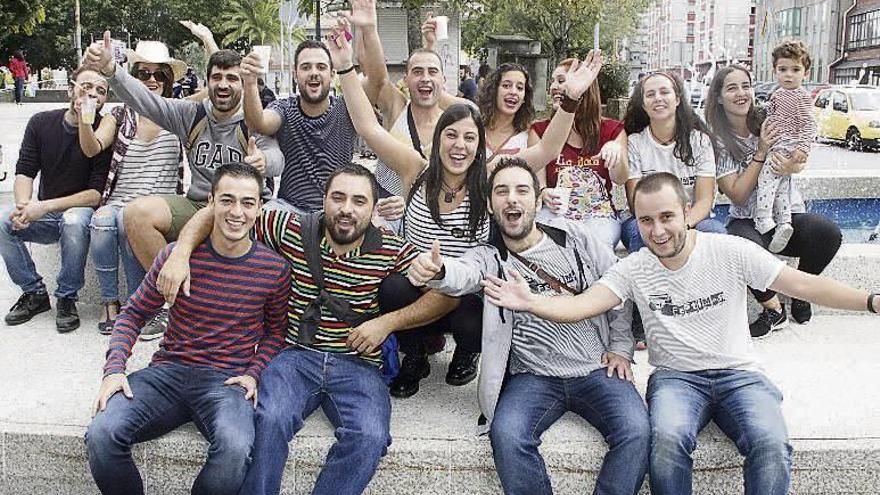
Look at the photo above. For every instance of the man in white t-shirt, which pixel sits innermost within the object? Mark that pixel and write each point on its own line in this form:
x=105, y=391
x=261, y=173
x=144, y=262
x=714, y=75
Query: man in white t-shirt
x=691, y=290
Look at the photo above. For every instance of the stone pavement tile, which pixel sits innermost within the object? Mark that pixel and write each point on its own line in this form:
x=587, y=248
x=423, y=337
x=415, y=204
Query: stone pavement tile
x=54, y=459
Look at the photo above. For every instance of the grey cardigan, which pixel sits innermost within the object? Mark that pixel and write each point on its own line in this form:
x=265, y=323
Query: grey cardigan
x=463, y=275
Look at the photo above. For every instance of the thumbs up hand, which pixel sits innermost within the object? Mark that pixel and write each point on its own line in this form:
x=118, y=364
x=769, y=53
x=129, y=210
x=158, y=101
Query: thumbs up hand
x=426, y=266
x=255, y=156
x=99, y=56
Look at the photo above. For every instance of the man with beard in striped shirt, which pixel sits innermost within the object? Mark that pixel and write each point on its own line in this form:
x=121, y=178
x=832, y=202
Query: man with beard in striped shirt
x=547, y=368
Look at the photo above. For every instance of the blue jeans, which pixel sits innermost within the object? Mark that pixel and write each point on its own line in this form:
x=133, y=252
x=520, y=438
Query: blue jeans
x=633, y=240
x=69, y=228
x=167, y=396
x=353, y=397
x=19, y=89
x=108, y=244
x=530, y=404
x=744, y=404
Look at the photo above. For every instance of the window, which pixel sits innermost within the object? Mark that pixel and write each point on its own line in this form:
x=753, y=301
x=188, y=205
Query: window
x=822, y=100
x=838, y=102
x=864, y=30
x=788, y=22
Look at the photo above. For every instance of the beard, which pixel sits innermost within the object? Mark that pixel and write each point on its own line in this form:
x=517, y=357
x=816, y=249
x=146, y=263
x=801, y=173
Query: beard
x=341, y=237
x=232, y=102
x=308, y=98
x=679, y=239
x=526, y=226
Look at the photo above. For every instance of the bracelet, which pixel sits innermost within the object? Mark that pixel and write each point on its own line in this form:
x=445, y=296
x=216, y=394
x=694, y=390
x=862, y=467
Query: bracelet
x=759, y=161
x=345, y=71
x=568, y=104
x=871, y=302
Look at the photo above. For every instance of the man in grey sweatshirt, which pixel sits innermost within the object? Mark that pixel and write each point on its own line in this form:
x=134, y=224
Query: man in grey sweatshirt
x=212, y=132
x=546, y=368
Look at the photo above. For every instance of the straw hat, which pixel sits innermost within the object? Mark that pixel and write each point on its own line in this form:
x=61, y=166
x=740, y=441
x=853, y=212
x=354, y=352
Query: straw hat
x=155, y=52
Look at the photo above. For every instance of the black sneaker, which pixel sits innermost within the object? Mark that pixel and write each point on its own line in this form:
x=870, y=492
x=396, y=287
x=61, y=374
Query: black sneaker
x=27, y=306
x=66, y=316
x=801, y=311
x=156, y=327
x=768, y=321
x=463, y=368
x=415, y=366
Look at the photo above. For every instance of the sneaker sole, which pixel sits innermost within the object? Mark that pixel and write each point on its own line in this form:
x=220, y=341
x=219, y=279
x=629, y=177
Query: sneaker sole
x=780, y=239
x=774, y=328
x=67, y=329
x=146, y=337
x=461, y=381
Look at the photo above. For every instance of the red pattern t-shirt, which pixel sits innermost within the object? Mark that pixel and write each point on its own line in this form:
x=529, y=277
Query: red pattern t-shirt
x=589, y=178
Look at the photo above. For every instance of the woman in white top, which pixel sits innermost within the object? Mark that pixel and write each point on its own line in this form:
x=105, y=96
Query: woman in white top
x=665, y=135
x=505, y=102
x=447, y=194
x=146, y=160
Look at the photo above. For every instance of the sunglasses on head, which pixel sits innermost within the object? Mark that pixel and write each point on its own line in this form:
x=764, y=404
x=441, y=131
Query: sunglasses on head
x=145, y=75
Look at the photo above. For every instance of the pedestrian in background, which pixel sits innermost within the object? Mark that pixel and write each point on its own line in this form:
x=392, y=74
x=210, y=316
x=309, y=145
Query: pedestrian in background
x=19, y=68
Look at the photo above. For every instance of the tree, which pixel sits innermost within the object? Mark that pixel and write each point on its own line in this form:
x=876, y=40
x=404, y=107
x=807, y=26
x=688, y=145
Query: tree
x=21, y=16
x=564, y=27
x=255, y=20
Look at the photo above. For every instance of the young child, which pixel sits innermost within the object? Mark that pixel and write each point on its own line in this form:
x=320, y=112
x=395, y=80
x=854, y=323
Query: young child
x=791, y=116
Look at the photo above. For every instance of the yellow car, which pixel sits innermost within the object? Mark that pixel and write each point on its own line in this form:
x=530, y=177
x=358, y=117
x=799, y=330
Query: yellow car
x=850, y=115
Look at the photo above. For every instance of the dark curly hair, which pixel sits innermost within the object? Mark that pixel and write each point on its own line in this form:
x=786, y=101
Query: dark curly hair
x=686, y=120
x=476, y=179
x=794, y=50
x=488, y=95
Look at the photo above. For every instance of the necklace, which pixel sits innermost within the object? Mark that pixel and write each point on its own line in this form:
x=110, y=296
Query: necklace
x=449, y=192
x=661, y=141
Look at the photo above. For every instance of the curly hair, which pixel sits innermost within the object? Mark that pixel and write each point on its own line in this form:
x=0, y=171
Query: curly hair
x=476, y=178
x=794, y=50
x=686, y=120
x=488, y=96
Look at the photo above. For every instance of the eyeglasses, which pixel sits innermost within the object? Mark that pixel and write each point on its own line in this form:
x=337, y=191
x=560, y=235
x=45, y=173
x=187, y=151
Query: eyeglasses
x=145, y=75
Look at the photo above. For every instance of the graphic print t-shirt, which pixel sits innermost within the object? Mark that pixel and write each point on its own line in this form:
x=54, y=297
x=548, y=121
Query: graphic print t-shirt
x=647, y=156
x=546, y=348
x=695, y=317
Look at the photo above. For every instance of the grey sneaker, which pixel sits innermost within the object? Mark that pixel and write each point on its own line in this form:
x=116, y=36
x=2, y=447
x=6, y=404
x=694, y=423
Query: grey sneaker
x=156, y=327
x=781, y=236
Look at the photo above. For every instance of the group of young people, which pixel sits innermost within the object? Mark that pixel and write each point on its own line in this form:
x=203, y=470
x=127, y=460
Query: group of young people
x=477, y=222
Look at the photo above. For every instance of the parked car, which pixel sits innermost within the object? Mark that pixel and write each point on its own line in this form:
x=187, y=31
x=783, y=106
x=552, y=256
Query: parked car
x=849, y=115
x=763, y=90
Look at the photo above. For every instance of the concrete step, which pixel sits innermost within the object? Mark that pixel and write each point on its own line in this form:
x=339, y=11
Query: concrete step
x=831, y=397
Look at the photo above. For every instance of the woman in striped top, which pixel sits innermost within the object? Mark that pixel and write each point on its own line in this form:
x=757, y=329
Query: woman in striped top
x=447, y=200
x=146, y=161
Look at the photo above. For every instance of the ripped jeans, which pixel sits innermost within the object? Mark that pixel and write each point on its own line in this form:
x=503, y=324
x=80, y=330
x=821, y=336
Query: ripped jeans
x=109, y=243
x=69, y=228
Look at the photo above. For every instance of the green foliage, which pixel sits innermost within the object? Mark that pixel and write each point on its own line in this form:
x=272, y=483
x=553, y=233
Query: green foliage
x=21, y=16
x=254, y=20
x=564, y=27
x=193, y=53
x=614, y=80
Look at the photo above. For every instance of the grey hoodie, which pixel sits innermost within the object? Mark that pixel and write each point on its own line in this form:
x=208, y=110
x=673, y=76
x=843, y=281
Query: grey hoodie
x=463, y=276
x=217, y=144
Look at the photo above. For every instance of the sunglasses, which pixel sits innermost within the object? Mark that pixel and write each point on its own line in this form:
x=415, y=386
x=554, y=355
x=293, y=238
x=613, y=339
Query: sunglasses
x=145, y=75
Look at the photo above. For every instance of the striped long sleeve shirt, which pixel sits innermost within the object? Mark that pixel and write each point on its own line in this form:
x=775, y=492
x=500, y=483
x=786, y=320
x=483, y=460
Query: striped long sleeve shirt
x=234, y=306
x=791, y=115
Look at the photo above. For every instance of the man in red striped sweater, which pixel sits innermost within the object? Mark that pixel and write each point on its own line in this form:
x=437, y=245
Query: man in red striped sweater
x=206, y=369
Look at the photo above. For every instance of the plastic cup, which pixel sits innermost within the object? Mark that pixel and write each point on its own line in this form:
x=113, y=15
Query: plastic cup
x=564, y=195
x=442, y=29
x=87, y=110
x=265, y=52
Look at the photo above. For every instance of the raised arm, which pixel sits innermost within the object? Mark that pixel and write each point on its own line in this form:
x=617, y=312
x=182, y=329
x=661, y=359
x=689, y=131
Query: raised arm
x=94, y=141
x=264, y=121
x=204, y=34
x=371, y=58
x=401, y=158
x=577, y=80
x=172, y=115
x=514, y=294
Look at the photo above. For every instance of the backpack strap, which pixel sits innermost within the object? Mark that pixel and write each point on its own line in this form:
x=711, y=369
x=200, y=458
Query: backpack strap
x=198, y=126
